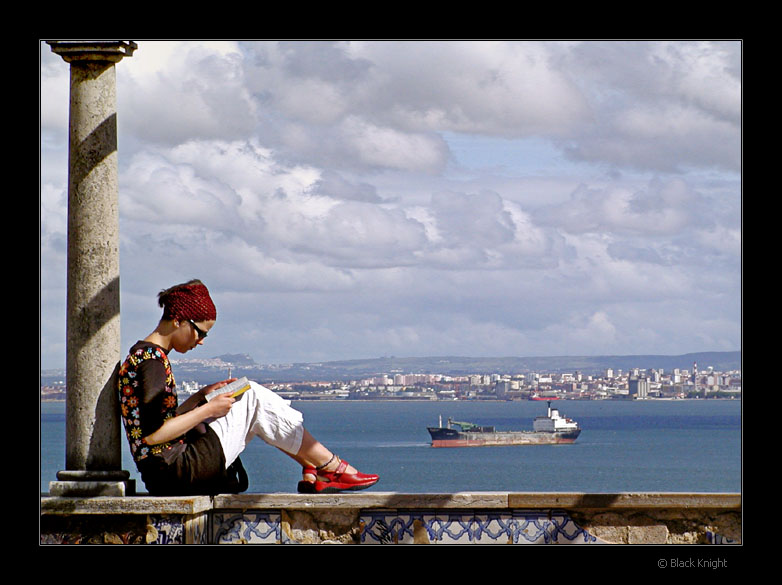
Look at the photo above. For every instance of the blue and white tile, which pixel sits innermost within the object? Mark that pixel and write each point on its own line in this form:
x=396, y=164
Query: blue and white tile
x=466, y=527
x=246, y=528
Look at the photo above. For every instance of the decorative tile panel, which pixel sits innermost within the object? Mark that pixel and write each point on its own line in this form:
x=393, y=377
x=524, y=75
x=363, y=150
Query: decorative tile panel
x=167, y=529
x=249, y=527
x=471, y=527
x=178, y=528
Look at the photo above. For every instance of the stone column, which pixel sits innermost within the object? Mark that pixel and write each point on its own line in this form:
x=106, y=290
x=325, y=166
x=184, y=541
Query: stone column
x=93, y=458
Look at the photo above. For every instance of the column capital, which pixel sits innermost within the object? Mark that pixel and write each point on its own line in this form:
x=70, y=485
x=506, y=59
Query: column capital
x=112, y=51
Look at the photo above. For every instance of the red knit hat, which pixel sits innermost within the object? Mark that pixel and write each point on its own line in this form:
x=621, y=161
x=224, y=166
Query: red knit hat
x=188, y=301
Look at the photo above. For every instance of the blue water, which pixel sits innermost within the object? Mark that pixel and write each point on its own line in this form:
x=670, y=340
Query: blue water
x=668, y=446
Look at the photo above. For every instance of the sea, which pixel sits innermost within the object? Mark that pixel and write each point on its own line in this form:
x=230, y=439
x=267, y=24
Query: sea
x=624, y=446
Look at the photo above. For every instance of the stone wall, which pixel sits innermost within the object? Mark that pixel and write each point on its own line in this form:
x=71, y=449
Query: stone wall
x=393, y=518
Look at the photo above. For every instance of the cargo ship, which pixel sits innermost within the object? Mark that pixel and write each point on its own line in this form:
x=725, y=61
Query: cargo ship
x=551, y=429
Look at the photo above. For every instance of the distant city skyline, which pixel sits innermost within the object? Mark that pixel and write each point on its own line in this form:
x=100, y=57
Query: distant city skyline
x=481, y=383
x=347, y=200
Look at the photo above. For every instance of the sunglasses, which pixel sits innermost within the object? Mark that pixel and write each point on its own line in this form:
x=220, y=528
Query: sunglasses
x=201, y=332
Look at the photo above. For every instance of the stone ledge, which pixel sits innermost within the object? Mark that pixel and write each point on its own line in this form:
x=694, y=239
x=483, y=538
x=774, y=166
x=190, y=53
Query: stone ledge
x=371, y=500
x=110, y=505
x=618, y=501
x=388, y=500
x=396, y=518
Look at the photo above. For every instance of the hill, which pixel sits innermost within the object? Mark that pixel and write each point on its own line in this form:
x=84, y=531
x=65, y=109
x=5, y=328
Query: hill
x=244, y=365
x=462, y=366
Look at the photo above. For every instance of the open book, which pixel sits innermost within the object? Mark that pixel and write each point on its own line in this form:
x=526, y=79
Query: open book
x=235, y=388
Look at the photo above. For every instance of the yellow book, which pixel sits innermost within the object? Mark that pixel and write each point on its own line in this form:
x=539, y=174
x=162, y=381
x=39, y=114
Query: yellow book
x=235, y=388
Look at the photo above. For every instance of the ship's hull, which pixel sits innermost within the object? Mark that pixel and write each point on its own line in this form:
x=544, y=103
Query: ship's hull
x=444, y=437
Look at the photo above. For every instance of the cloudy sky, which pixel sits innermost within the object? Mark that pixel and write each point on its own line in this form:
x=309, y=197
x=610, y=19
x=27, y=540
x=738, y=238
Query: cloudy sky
x=359, y=199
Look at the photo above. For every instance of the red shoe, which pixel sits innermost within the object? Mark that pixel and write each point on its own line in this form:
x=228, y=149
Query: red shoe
x=328, y=482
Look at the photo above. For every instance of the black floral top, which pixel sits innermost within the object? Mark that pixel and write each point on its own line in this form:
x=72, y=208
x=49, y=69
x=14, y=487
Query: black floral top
x=148, y=397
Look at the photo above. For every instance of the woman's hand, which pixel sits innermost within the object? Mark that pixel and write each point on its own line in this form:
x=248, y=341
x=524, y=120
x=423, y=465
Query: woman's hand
x=199, y=398
x=207, y=389
x=219, y=405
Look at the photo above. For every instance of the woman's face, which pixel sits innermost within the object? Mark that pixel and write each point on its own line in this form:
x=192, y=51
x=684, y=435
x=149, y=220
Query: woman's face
x=190, y=334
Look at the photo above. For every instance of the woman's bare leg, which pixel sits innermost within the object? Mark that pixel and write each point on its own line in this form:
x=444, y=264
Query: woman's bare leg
x=313, y=453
